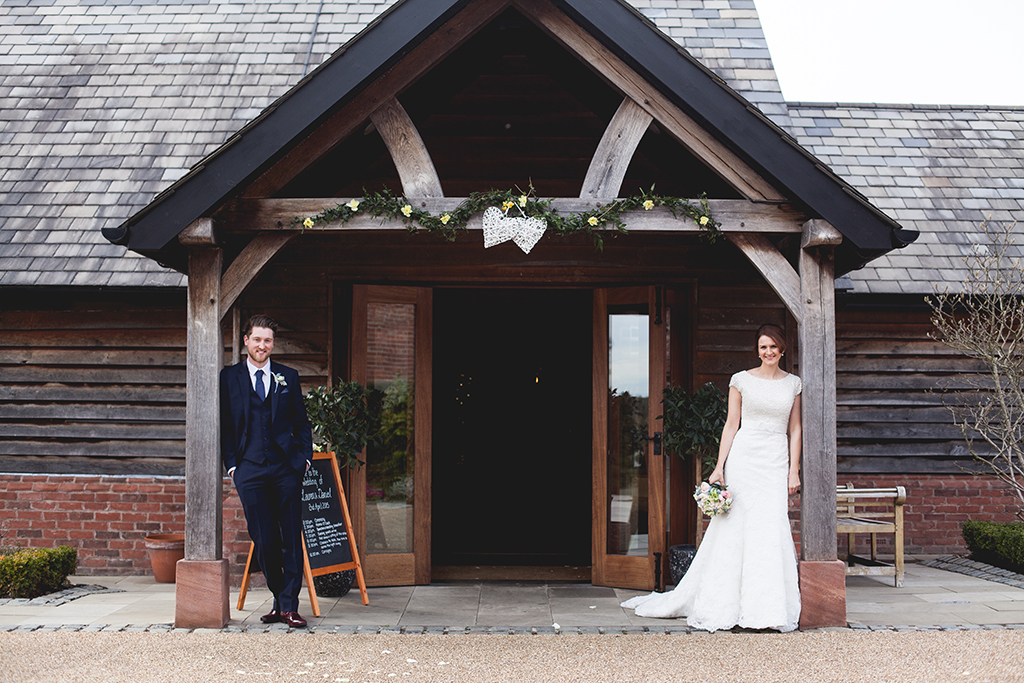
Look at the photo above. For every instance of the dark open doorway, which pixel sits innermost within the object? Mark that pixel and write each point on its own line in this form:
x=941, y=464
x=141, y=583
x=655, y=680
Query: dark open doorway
x=511, y=480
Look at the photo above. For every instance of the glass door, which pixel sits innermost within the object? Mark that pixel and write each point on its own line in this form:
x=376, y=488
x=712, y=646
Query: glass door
x=629, y=470
x=391, y=356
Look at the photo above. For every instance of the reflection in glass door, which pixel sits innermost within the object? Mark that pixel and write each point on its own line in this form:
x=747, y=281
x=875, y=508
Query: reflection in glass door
x=628, y=390
x=391, y=346
x=629, y=519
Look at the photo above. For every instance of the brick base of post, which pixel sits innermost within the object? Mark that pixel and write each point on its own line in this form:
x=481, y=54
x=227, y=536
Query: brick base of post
x=822, y=594
x=202, y=594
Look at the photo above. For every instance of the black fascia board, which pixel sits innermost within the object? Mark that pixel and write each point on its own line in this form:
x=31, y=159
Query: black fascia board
x=704, y=96
x=232, y=167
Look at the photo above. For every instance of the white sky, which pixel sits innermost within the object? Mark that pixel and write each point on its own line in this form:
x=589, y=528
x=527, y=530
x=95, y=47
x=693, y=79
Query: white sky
x=897, y=51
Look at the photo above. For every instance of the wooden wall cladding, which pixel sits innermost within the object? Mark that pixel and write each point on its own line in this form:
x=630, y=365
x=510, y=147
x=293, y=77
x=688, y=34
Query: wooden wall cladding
x=891, y=382
x=93, y=383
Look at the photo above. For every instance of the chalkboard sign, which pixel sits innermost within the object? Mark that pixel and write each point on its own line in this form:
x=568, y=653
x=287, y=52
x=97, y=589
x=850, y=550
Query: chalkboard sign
x=327, y=541
x=323, y=525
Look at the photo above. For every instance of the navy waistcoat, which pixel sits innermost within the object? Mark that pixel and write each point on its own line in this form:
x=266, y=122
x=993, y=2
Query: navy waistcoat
x=261, y=446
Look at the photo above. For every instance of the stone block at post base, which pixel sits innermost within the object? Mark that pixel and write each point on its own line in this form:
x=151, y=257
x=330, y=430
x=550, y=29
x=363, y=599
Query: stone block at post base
x=201, y=594
x=822, y=594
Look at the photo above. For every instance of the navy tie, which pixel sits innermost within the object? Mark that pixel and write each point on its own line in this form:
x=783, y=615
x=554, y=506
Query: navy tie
x=260, y=391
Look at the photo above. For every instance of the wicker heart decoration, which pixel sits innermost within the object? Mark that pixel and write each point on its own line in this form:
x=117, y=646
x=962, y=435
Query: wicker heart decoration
x=498, y=228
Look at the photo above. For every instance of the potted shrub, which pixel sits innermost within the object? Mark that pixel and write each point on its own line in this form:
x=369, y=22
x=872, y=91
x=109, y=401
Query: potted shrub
x=344, y=420
x=692, y=424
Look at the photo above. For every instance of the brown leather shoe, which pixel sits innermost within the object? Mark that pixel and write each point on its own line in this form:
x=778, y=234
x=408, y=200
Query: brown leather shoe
x=271, y=618
x=293, y=619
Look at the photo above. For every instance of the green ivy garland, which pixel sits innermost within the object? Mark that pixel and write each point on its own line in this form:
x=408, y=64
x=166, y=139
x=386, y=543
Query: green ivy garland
x=604, y=217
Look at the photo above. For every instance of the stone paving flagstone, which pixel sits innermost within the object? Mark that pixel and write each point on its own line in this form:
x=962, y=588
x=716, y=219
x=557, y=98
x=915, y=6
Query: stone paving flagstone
x=931, y=599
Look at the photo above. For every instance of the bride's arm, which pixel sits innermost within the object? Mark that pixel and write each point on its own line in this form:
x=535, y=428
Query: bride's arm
x=732, y=425
x=795, y=441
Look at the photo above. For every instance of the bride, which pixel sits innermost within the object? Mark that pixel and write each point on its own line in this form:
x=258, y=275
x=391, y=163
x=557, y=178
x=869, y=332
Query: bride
x=745, y=572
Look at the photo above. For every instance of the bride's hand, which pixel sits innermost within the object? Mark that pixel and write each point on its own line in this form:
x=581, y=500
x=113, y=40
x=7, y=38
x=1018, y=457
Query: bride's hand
x=717, y=477
x=794, y=483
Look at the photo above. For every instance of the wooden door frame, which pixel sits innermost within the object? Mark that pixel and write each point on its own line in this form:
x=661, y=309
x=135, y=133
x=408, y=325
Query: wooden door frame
x=389, y=569
x=621, y=570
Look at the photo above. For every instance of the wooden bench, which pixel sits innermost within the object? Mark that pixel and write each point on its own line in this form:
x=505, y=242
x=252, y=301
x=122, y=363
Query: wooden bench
x=872, y=511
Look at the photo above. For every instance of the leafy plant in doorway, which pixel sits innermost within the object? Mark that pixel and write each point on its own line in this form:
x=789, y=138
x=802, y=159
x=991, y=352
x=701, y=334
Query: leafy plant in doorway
x=693, y=423
x=343, y=420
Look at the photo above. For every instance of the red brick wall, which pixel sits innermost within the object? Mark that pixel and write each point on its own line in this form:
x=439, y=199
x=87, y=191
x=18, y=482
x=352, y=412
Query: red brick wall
x=936, y=506
x=107, y=518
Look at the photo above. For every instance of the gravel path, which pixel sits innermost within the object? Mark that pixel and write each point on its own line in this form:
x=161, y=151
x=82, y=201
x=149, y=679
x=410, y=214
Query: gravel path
x=821, y=656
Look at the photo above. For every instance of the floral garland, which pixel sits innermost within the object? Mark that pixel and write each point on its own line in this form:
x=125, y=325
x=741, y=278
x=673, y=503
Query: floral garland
x=594, y=222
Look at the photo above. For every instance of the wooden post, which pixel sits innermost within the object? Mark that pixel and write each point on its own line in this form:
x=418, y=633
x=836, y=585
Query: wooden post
x=201, y=585
x=822, y=575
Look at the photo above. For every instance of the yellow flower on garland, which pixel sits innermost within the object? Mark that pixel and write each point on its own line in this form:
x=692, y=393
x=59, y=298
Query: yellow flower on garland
x=522, y=200
x=592, y=220
x=505, y=206
x=703, y=220
x=308, y=223
x=354, y=205
x=407, y=210
x=445, y=218
x=648, y=205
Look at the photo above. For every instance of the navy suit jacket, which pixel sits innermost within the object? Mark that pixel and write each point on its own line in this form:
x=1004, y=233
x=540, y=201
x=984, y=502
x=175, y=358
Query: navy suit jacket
x=289, y=422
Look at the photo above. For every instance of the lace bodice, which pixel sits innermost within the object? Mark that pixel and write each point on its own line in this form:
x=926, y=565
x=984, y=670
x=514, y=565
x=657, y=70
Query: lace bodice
x=766, y=403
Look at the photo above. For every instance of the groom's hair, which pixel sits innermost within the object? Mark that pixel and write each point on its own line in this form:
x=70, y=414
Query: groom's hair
x=773, y=332
x=260, y=320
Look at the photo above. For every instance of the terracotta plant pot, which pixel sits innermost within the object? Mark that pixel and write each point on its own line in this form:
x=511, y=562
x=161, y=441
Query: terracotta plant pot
x=164, y=552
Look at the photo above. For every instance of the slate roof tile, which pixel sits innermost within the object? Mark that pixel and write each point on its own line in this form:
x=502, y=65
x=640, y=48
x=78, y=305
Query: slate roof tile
x=106, y=103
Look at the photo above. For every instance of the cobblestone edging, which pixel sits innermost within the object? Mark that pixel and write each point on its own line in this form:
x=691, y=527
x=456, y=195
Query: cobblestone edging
x=964, y=565
x=472, y=630
x=61, y=597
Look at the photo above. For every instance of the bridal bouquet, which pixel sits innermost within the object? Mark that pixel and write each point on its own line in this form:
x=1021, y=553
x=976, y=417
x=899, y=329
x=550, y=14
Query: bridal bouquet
x=712, y=499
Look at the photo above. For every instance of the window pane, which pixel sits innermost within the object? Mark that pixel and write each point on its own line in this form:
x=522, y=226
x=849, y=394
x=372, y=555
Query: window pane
x=391, y=369
x=628, y=388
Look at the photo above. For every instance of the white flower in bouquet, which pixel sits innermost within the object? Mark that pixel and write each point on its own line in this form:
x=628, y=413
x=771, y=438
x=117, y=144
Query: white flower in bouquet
x=712, y=499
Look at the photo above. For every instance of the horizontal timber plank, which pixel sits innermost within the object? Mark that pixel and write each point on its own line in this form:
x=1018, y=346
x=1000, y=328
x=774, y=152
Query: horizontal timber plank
x=951, y=448
x=900, y=399
x=59, y=393
x=90, y=466
x=890, y=414
x=890, y=347
x=907, y=364
x=95, y=339
x=147, y=357
x=901, y=467
x=261, y=215
x=113, y=448
x=92, y=411
x=120, y=431
x=69, y=375
x=128, y=319
x=883, y=432
x=904, y=382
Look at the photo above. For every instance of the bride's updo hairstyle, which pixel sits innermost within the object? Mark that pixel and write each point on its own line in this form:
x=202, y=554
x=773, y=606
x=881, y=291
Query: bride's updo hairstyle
x=773, y=332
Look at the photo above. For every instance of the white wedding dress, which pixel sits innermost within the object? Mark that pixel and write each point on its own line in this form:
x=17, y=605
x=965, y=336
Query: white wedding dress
x=745, y=571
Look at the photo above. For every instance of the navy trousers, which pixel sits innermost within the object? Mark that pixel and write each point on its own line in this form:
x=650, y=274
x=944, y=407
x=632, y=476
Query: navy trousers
x=271, y=496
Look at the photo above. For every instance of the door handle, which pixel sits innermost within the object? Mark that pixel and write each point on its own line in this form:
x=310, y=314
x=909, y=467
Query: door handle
x=657, y=442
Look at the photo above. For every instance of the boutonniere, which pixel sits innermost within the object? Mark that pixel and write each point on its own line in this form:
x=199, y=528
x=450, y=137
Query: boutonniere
x=279, y=379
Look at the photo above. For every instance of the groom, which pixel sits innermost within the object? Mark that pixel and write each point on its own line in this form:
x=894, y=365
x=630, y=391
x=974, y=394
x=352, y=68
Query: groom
x=267, y=445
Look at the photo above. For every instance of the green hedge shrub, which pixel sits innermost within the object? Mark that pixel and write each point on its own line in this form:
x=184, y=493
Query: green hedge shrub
x=997, y=543
x=31, y=573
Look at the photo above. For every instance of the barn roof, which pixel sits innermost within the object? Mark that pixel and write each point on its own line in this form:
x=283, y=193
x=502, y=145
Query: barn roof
x=105, y=104
x=938, y=170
